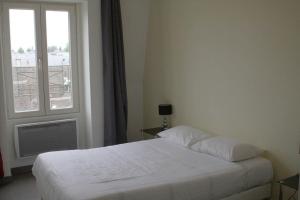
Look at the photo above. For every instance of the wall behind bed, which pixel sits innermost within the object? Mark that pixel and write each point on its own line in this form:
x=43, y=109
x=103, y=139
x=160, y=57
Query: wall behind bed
x=231, y=68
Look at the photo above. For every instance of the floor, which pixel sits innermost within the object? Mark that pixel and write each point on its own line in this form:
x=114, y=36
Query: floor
x=21, y=188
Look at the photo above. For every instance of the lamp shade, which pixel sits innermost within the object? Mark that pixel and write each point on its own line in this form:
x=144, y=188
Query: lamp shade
x=165, y=109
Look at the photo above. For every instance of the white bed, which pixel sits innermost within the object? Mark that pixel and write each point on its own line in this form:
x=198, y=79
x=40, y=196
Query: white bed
x=149, y=170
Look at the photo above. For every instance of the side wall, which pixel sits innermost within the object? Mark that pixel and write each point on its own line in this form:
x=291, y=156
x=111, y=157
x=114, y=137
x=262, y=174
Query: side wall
x=135, y=16
x=93, y=72
x=90, y=85
x=231, y=68
x=3, y=143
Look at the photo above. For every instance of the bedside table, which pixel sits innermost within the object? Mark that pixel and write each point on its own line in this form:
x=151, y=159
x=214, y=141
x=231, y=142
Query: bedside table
x=151, y=131
x=291, y=182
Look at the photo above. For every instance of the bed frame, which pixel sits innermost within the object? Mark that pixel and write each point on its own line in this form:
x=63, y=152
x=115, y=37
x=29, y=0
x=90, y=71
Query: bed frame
x=258, y=193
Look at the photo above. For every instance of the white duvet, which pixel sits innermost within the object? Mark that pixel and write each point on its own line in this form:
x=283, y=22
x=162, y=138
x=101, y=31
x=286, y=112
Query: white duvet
x=147, y=170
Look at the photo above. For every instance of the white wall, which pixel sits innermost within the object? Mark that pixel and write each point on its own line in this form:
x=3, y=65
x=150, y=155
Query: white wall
x=3, y=143
x=231, y=68
x=135, y=16
x=93, y=72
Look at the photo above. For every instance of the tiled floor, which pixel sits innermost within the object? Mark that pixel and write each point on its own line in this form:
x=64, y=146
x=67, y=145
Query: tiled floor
x=21, y=188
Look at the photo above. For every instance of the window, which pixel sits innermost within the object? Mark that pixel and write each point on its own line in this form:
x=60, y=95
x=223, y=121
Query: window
x=40, y=59
x=23, y=60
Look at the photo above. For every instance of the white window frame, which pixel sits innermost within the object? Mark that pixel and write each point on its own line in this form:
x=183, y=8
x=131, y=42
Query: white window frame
x=42, y=58
x=73, y=51
x=8, y=63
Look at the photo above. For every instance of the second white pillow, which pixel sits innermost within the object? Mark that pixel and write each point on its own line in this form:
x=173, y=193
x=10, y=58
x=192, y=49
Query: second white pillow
x=227, y=148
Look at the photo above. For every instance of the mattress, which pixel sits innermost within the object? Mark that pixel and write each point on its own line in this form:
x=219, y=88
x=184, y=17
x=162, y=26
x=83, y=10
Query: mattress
x=153, y=169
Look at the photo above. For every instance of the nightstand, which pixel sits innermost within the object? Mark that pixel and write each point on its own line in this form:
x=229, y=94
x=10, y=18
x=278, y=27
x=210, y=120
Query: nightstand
x=291, y=182
x=153, y=132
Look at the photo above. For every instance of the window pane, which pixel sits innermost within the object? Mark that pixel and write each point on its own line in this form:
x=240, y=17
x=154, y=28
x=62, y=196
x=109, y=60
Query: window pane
x=59, y=60
x=24, y=60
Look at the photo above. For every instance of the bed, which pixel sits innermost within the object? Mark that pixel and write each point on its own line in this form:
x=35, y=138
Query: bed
x=154, y=169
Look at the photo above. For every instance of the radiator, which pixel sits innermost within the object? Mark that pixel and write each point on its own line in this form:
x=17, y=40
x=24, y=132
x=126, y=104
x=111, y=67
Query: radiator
x=35, y=138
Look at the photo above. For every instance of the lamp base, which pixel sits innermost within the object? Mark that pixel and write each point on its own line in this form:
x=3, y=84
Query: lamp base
x=165, y=125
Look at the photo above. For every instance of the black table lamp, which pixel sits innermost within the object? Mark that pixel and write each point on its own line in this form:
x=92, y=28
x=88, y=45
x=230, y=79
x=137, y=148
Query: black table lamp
x=165, y=110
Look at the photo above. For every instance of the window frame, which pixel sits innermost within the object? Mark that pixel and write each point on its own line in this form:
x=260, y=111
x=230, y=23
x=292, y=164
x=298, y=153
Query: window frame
x=73, y=54
x=42, y=58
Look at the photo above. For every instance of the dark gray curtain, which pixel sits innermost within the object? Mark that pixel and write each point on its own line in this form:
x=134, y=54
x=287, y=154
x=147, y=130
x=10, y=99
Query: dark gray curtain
x=115, y=95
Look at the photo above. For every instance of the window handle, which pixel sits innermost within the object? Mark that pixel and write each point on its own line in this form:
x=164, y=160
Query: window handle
x=39, y=63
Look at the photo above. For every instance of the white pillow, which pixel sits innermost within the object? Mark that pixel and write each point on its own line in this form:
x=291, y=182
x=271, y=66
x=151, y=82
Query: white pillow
x=184, y=135
x=227, y=148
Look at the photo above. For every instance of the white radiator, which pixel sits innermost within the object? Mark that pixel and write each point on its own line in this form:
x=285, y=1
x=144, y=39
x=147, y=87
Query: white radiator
x=35, y=138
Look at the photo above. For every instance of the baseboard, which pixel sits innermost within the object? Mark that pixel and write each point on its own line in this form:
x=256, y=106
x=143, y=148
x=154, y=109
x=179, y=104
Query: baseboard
x=21, y=170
